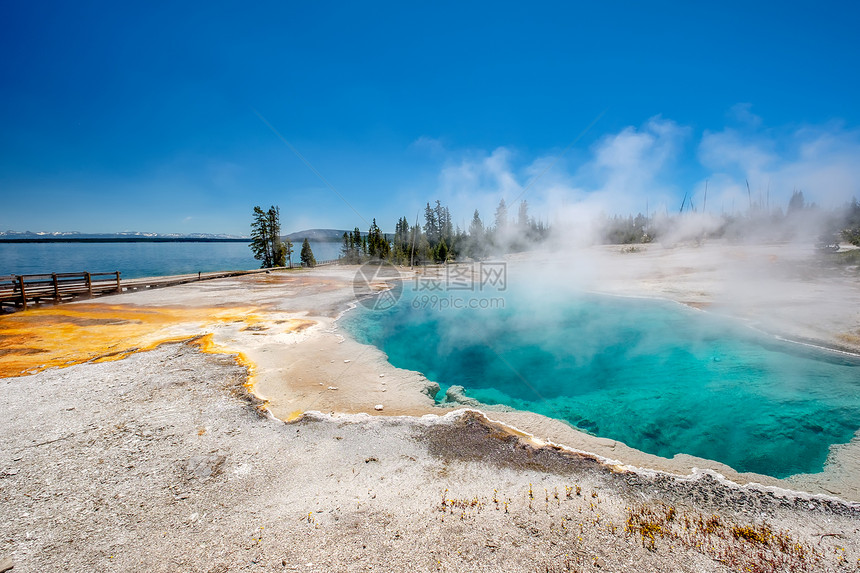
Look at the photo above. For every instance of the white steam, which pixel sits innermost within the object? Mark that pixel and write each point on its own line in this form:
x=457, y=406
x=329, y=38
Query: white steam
x=746, y=170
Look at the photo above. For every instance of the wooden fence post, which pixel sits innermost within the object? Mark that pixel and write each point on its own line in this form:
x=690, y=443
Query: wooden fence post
x=23, y=292
x=56, y=287
x=89, y=284
x=118, y=285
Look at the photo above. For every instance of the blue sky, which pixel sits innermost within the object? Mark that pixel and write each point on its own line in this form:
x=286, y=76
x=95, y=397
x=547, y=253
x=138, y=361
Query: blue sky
x=141, y=116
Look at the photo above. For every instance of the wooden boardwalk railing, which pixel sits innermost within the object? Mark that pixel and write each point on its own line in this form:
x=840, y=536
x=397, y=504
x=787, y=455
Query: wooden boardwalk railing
x=56, y=287
x=20, y=290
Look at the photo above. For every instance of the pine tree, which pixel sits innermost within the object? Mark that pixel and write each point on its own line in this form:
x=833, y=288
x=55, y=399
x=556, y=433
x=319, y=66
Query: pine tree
x=345, y=248
x=438, y=226
x=476, y=227
x=501, y=217
x=523, y=217
x=383, y=247
x=356, y=245
x=423, y=253
x=377, y=245
x=459, y=243
x=372, y=239
x=477, y=238
x=307, y=255
x=431, y=225
x=266, y=238
x=444, y=227
x=260, y=238
x=442, y=252
x=286, y=254
x=402, y=241
x=499, y=235
x=351, y=248
x=797, y=202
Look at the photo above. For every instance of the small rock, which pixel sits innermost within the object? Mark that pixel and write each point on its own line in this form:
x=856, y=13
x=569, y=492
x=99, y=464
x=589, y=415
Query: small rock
x=430, y=388
x=332, y=387
x=345, y=361
x=6, y=564
x=457, y=395
x=382, y=375
x=378, y=407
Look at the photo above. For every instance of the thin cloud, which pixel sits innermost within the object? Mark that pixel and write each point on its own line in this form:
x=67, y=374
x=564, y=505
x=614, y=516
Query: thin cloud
x=821, y=161
x=742, y=114
x=428, y=145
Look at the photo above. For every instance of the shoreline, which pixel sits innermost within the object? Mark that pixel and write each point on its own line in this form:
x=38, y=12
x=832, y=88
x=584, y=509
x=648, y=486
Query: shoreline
x=612, y=465
x=681, y=464
x=817, y=344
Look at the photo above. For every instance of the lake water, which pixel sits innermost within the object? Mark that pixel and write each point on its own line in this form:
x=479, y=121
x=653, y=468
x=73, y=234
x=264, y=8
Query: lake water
x=660, y=377
x=137, y=260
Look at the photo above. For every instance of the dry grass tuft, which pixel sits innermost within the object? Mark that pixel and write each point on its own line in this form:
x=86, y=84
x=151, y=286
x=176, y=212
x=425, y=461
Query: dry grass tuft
x=754, y=548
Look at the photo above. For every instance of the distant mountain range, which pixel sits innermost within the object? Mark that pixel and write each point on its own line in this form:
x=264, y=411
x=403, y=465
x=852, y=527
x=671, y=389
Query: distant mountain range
x=316, y=235
x=131, y=236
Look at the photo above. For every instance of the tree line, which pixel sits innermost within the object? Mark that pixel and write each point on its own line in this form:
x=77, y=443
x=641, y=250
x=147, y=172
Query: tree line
x=438, y=240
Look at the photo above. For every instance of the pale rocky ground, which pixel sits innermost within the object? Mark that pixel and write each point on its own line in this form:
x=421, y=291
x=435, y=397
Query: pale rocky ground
x=162, y=462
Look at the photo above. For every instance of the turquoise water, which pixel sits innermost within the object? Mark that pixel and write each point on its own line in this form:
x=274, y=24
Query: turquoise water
x=655, y=375
x=137, y=260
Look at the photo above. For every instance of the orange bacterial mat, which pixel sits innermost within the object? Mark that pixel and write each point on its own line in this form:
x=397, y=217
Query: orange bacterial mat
x=61, y=336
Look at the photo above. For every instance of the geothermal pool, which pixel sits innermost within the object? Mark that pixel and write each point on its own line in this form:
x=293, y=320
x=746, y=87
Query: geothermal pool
x=655, y=375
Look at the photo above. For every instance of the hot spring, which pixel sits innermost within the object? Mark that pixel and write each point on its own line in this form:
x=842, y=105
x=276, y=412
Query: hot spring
x=658, y=376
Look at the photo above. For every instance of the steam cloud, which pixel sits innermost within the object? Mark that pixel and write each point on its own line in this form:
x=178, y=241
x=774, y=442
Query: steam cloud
x=647, y=168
